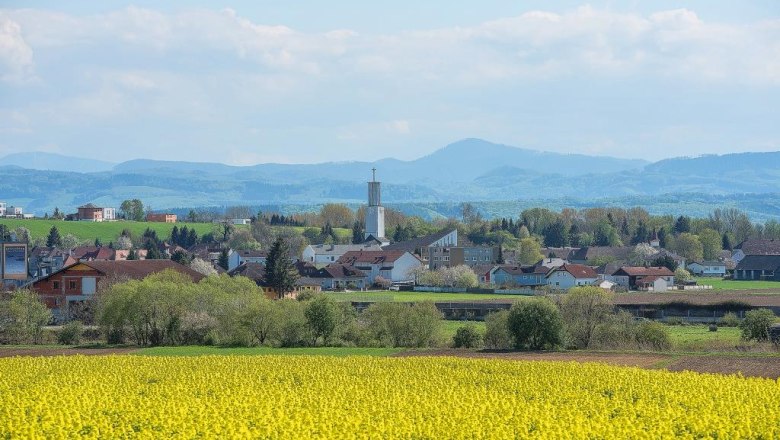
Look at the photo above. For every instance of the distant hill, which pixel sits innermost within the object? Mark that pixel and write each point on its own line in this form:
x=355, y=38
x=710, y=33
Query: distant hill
x=471, y=170
x=55, y=162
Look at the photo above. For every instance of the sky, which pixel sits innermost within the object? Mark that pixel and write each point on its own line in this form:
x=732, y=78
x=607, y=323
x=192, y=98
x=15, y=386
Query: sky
x=311, y=81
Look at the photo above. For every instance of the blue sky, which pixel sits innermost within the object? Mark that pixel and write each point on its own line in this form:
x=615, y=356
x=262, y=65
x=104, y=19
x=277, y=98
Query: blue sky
x=306, y=81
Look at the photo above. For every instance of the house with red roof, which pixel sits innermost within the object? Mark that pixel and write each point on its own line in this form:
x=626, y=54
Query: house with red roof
x=631, y=277
x=567, y=276
x=395, y=265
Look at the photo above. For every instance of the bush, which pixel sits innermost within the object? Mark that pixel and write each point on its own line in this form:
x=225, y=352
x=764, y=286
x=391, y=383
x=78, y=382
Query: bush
x=675, y=320
x=756, y=324
x=536, y=324
x=71, y=333
x=467, y=336
x=22, y=318
x=291, y=330
x=617, y=332
x=582, y=309
x=497, y=336
x=651, y=334
x=403, y=325
x=729, y=320
x=322, y=315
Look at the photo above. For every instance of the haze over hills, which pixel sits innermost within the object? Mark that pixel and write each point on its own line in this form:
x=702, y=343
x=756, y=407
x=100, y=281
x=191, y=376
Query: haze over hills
x=469, y=170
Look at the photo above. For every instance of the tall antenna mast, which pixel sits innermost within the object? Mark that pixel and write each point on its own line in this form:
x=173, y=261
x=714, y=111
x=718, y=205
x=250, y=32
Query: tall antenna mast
x=373, y=174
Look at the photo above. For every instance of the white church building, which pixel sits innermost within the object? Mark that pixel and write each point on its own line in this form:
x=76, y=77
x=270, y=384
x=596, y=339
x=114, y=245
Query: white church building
x=375, y=212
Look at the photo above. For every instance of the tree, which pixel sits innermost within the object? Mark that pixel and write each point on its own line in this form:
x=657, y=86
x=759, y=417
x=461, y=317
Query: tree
x=280, y=274
x=689, y=246
x=726, y=242
x=680, y=274
x=22, y=317
x=181, y=257
x=556, y=234
x=530, y=251
x=321, y=318
x=124, y=242
x=132, y=255
x=583, y=309
x=535, y=324
x=201, y=266
x=682, y=224
x=467, y=336
x=500, y=258
x=224, y=259
x=665, y=261
x=497, y=336
x=756, y=324
x=357, y=233
x=711, y=243
x=337, y=214
x=132, y=210
x=641, y=254
x=54, y=239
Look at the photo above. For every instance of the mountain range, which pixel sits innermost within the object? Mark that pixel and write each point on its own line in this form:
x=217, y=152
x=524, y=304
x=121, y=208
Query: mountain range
x=469, y=170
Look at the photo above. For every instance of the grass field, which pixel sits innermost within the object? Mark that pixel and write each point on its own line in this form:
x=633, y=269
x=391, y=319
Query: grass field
x=105, y=231
x=699, y=337
x=388, y=296
x=721, y=284
x=246, y=351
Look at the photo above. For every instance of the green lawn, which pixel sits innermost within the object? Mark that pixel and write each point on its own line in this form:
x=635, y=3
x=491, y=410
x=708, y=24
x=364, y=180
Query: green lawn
x=389, y=296
x=721, y=284
x=254, y=351
x=105, y=231
x=699, y=337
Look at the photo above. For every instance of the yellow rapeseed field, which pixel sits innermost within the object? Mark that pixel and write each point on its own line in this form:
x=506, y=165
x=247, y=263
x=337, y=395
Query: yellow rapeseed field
x=301, y=397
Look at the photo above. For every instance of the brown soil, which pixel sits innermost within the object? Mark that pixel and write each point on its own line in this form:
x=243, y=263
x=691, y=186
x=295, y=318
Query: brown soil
x=753, y=299
x=51, y=351
x=623, y=359
x=768, y=367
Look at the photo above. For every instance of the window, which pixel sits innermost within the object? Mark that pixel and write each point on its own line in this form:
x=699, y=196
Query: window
x=72, y=284
x=55, y=284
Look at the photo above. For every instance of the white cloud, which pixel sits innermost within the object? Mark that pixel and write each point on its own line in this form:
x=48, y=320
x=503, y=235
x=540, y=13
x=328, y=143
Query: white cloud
x=16, y=56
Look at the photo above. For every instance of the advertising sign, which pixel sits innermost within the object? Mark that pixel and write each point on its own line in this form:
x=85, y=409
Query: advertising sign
x=14, y=262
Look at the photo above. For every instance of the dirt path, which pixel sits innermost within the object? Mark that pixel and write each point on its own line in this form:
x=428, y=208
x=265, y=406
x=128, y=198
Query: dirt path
x=56, y=351
x=768, y=367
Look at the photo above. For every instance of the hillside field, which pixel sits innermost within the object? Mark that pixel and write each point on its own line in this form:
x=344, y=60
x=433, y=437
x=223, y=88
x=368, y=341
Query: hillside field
x=109, y=231
x=721, y=284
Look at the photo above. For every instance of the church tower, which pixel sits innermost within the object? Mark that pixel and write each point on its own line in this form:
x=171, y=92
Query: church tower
x=375, y=212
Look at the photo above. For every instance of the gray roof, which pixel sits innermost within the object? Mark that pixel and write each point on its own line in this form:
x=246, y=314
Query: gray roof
x=341, y=249
x=417, y=243
x=760, y=247
x=759, y=262
x=708, y=263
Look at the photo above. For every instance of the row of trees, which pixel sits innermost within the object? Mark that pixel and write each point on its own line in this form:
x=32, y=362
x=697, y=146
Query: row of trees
x=168, y=309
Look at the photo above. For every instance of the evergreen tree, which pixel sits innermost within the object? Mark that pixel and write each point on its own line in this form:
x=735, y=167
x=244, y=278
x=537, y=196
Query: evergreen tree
x=682, y=225
x=152, y=251
x=181, y=258
x=175, y=238
x=555, y=234
x=98, y=243
x=132, y=255
x=726, y=241
x=224, y=261
x=280, y=274
x=192, y=238
x=500, y=259
x=111, y=245
x=574, y=235
x=54, y=239
x=662, y=237
x=357, y=233
x=640, y=236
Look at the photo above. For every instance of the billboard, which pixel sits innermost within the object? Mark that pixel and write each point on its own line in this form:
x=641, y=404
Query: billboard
x=14, y=261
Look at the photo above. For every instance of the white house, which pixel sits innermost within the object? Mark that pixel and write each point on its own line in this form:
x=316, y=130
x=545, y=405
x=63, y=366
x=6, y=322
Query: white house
x=109, y=214
x=653, y=284
x=395, y=266
x=247, y=256
x=707, y=268
x=571, y=275
x=319, y=254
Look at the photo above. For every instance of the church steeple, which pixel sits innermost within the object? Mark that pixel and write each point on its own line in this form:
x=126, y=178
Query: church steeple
x=375, y=212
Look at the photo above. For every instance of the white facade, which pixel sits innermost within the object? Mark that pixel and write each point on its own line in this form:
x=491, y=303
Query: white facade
x=2, y=209
x=563, y=280
x=707, y=269
x=324, y=254
x=395, y=271
x=109, y=214
x=375, y=212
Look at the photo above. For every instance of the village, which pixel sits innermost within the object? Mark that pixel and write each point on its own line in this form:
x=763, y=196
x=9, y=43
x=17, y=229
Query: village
x=444, y=261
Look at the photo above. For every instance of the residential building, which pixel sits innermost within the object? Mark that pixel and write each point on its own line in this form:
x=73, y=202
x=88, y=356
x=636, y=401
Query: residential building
x=256, y=272
x=44, y=261
x=90, y=213
x=80, y=281
x=707, y=268
x=161, y=218
x=509, y=275
x=571, y=275
x=419, y=246
x=14, y=212
x=92, y=253
x=653, y=284
x=483, y=272
x=3, y=208
x=597, y=255
x=564, y=253
x=247, y=256
x=395, y=266
x=322, y=254
x=630, y=277
x=758, y=267
x=212, y=253
x=109, y=214
x=755, y=246
x=451, y=256
x=341, y=276
x=241, y=221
